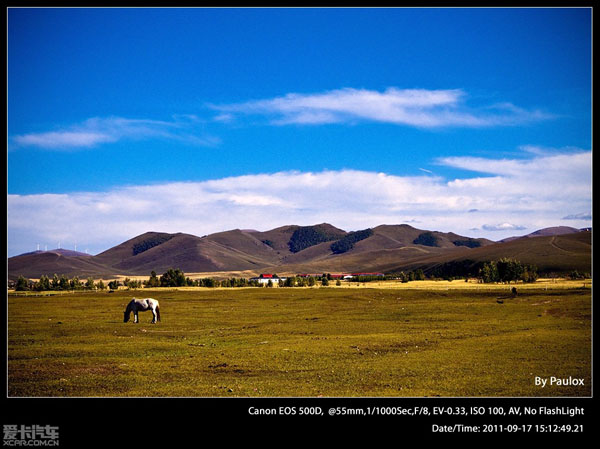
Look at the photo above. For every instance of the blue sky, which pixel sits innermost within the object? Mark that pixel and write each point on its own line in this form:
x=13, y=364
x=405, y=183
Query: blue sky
x=442, y=109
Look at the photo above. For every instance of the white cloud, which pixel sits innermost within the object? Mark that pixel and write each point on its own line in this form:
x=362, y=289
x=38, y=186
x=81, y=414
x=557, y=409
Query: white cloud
x=503, y=227
x=522, y=195
x=95, y=131
x=580, y=216
x=412, y=107
x=525, y=181
x=225, y=118
x=64, y=139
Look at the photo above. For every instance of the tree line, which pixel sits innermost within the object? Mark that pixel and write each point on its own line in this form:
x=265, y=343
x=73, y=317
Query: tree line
x=507, y=270
x=60, y=283
x=176, y=278
x=171, y=278
x=502, y=270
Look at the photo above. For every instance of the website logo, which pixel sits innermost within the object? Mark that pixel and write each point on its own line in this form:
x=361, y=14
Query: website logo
x=30, y=435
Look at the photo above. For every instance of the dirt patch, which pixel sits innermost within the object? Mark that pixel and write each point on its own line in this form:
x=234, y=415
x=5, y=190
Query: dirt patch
x=225, y=368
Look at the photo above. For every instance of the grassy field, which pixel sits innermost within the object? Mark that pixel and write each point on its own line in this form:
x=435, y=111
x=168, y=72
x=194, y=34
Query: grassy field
x=448, y=340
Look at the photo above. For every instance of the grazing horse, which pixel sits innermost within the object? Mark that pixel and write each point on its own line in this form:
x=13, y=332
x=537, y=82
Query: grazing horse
x=141, y=305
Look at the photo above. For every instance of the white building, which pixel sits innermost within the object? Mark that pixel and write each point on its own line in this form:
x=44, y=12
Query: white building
x=265, y=278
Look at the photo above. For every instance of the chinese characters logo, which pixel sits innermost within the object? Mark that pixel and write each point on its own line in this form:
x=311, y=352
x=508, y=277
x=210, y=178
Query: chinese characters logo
x=33, y=435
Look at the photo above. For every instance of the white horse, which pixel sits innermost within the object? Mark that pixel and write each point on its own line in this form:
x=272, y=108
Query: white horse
x=141, y=305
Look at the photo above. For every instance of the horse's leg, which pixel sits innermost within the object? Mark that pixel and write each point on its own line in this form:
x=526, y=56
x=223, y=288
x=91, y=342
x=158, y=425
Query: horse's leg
x=153, y=315
x=135, y=316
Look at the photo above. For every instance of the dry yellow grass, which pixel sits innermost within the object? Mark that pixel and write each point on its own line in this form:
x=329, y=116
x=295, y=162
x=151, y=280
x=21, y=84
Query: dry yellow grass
x=332, y=341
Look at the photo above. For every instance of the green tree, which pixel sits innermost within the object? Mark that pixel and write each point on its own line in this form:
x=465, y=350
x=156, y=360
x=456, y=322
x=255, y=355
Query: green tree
x=575, y=274
x=529, y=273
x=209, y=282
x=55, y=285
x=44, y=283
x=489, y=272
x=22, y=284
x=132, y=283
x=75, y=283
x=100, y=285
x=153, y=281
x=90, y=284
x=173, y=278
x=290, y=281
x=325, y=282
x=63, y=283
x=509, y=270
x=419, y=275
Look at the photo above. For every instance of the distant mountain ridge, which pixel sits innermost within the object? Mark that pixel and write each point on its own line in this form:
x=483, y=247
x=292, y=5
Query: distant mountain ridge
x=61, y=251
x=555, y=230
x=297, y=249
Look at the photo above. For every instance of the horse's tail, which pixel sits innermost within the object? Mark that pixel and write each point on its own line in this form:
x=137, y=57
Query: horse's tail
x=157, y=313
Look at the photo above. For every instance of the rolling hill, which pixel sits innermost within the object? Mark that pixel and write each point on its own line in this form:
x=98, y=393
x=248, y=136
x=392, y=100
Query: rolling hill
x=550, y=254
x=310, y=249
x=555, y=230
x=34, y=265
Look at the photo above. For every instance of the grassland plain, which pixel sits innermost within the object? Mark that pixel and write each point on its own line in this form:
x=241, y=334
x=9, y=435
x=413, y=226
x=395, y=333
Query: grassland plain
x=450, y=341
